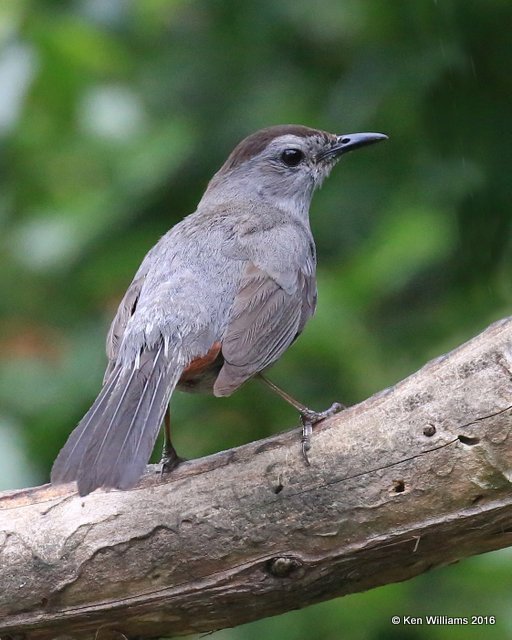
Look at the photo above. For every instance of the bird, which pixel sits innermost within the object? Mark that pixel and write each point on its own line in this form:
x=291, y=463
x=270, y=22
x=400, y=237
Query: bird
x=216, y=301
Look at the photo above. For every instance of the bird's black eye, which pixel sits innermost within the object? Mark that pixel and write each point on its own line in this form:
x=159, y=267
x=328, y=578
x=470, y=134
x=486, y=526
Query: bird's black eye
x=292, y=157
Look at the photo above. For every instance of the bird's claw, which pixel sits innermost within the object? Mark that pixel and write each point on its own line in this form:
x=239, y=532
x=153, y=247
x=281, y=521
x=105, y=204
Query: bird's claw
x=308, y=418
x=169, y=461
x=306, y=442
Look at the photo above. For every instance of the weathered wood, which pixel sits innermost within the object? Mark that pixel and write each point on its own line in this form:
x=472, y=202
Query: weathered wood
x=415, y=477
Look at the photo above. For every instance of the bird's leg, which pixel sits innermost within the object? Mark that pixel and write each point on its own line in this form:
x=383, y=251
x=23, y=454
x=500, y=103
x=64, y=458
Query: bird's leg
x=308, y=417
x=170, y=459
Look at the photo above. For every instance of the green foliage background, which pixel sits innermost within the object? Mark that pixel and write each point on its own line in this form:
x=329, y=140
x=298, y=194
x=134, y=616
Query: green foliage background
x=113, y=116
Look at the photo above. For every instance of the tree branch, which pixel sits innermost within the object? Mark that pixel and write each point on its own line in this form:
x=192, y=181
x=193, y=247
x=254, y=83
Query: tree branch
x=417, y=476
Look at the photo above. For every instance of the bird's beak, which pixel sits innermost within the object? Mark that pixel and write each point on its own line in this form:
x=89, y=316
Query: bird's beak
x=349, y=142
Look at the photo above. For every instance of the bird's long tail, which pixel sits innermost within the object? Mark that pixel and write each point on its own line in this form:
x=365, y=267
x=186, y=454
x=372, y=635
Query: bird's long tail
x=112, y=443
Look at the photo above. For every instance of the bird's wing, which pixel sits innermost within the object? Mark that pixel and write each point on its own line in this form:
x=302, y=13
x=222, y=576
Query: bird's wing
x=265, y=320
x=125, y=311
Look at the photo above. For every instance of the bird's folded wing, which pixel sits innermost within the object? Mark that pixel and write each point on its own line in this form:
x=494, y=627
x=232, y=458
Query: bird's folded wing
x=125, y=311
x=264, y=321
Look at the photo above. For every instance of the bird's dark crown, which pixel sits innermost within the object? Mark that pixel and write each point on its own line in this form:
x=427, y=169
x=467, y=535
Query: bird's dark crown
x=257, y=142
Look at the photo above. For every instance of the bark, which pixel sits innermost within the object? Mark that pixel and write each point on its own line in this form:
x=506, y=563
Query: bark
x=415, y=477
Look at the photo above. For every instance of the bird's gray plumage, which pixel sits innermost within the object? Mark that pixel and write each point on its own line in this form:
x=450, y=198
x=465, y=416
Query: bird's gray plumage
x=240, y=272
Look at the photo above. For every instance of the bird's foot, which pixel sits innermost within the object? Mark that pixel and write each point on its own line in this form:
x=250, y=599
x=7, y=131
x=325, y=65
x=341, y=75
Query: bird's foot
x=170, y=460
x=308, y=418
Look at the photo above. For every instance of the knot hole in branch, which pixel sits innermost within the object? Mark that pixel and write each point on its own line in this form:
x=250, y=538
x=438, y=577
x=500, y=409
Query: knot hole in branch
x=282, y=566
x=398, y=486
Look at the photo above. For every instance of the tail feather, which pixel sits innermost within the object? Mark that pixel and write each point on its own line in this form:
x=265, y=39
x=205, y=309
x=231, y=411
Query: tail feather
x=68, y=461
x=114, y=440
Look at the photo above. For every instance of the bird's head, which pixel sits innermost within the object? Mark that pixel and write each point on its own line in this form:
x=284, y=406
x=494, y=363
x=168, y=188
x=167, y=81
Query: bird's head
x=284, y=164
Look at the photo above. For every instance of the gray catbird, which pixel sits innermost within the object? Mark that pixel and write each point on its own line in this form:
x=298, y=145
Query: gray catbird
x=216, y=301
